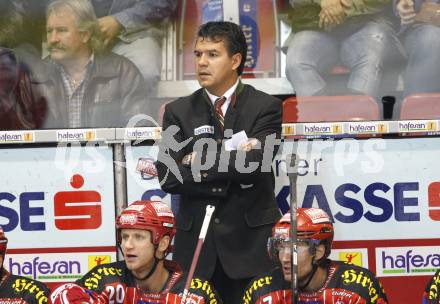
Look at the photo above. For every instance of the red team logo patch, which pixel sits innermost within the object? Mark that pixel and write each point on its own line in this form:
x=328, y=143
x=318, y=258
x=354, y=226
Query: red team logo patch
x=146, y=168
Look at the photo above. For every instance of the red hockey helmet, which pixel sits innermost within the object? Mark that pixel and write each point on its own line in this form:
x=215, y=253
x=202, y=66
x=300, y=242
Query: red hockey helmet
x=3, y=242
x=155, y=217
x=312, y=224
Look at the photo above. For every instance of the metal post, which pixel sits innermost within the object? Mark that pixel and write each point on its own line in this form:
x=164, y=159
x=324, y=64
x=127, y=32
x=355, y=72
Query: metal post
x=293, y=176
x=120, y=181
x=277, y=40
x=231, y=11
x=180, y=42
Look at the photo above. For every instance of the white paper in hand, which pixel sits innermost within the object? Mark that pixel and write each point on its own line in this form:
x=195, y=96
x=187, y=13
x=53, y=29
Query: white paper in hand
x=234, y=142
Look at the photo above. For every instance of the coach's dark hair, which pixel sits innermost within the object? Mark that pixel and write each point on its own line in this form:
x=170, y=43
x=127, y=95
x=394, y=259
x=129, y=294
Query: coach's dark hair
x=232, y=36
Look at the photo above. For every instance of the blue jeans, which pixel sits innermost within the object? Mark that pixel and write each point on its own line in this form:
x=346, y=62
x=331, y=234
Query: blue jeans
x=422, y=74
x=312, y=54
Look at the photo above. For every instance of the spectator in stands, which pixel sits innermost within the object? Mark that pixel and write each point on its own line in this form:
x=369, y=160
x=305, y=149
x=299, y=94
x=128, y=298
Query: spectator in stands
x=320, y=280
x=245, y=200
x=86, y=86
x=18, y=289
x=327, y=33
x=431, y=295
x=421, y=37
x=134, y=29
x=21, y=22
x=21, y=105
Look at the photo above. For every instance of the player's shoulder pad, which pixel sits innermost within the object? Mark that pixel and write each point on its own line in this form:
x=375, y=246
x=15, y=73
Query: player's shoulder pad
x=34, y=291
x=256, y=285
x=203, y=287
x=102, y=273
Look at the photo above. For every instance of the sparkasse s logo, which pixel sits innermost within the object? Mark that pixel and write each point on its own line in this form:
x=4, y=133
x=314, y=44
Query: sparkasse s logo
x=77, y=209
x=73, y=210
x=407, y=261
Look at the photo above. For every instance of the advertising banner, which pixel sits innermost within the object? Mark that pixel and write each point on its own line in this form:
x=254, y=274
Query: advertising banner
x=373, y=189
x=258, y=25
x=57, y=210
x=56, y=267
x=407, y=261
x=356, y=256
x=57, y=197
x=384, y=199
x=212, y=10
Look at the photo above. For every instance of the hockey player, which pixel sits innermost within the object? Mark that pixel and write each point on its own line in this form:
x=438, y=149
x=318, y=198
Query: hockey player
x=432, y=291
x=320, y=280
x=144, y=231
x=16, y=289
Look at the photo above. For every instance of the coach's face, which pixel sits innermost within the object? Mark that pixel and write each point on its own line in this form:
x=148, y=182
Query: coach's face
x=216, y=70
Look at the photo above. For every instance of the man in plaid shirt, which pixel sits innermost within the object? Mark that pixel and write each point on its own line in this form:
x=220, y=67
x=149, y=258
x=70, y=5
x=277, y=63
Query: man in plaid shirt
x=86, y=86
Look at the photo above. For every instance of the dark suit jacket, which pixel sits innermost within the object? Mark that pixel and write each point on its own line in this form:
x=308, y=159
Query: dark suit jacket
x=245, y=203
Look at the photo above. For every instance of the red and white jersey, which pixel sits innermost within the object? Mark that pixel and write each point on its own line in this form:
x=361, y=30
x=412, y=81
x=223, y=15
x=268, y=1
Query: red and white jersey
x=20, y=290
x=114, y=284
x=345, y=284
x=432, y=290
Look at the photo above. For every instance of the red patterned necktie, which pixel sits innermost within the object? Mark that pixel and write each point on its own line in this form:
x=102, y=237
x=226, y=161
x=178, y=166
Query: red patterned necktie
x=218, y=110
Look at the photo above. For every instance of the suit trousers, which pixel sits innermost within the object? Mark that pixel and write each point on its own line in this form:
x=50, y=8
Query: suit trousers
x=230, y=290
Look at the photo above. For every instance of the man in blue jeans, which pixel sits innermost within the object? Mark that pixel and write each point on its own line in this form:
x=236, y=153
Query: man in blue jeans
x=422, y=44
x=134, y=29
x=357, y=34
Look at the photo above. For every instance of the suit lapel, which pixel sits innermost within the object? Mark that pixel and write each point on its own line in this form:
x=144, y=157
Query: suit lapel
x=234, y=108
x=202, y=116
x=230, y=117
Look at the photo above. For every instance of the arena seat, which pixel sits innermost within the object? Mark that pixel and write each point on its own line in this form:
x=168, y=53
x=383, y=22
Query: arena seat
x=330, y=108
x=421, y=106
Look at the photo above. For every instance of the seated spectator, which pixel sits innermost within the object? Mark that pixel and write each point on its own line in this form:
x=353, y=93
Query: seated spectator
x=134, y=29
x=431, y=295
x=320, y=280
x=35, y=291
x=421, y=39
x=356, y=34
x=21, y=22
x=21, y=105
x=85, y=86
x=145, y=231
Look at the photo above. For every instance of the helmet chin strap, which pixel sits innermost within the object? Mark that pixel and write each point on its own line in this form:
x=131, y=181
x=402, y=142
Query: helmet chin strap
x=310, y=276
x=311, y=273
x=152, y=270
x=149, y=274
